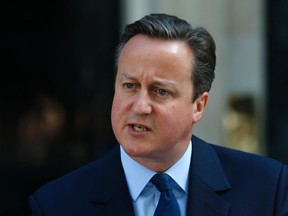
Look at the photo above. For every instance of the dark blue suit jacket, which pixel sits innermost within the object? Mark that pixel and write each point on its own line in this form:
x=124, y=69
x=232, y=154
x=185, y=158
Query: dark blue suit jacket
x=222, y=182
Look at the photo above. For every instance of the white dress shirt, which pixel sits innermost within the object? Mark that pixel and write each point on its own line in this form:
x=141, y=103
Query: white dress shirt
x=144, y=194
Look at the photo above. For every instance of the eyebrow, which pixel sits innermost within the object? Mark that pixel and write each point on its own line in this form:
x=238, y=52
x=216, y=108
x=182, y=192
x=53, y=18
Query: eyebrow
x=155, y=81
x=126, y=76
x=163, y=82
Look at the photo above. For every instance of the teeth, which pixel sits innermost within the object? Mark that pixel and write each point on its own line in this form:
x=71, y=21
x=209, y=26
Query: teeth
x=139, y=128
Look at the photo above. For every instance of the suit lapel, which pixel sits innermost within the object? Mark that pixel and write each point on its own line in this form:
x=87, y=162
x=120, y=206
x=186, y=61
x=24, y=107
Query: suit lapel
x=111, y=195
x=206, y=181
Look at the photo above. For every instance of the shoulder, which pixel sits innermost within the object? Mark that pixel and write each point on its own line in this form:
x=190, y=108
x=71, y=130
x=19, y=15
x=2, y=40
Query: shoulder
x=254, y=179
x=236, y=163
x=244, y=160
x=90, y=170
x=80, y=181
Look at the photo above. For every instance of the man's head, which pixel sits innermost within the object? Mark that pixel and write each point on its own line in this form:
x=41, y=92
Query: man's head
x=168, y=27
x=153, y=112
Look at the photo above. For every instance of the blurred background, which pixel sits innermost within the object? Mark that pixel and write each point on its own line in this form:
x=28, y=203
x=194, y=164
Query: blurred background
x=56, y=83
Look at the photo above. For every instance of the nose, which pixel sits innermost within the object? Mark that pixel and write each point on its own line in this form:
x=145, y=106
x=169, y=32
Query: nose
x=142, y=104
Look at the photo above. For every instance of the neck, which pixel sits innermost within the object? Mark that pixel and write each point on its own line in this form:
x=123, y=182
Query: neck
x=160, y=163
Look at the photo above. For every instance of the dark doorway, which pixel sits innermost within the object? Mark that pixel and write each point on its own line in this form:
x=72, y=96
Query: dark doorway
x=56, y=91
x=277, y=79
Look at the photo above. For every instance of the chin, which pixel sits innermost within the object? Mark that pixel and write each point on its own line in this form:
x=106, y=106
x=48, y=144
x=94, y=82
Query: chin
x=135, y=151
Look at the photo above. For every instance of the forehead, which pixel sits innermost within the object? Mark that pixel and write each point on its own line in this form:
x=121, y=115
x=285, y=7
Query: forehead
x=156, y=51
x=170, y=46
x=159, y=61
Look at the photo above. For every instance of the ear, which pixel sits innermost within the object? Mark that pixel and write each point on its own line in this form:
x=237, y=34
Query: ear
x=199, y=106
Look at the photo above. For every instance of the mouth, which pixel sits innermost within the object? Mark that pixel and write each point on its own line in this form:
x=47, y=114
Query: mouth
x=139, y=128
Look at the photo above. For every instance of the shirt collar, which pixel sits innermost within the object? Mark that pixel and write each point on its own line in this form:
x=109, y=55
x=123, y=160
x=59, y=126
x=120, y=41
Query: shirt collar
x=137, y=176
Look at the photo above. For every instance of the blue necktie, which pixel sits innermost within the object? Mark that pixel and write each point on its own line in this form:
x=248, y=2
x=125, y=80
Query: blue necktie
x=167, y=205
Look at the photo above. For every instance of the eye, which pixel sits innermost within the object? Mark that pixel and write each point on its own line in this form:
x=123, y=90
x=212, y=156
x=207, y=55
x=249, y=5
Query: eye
x=162, y=92
x=128, y=85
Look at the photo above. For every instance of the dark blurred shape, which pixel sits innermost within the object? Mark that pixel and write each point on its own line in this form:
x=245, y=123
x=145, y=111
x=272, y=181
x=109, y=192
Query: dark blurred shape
x=277, y=79
x=37, y=129
x=56, y=89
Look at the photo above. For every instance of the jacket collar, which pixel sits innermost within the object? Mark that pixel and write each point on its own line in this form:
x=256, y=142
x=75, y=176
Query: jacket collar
x=206, y=181
x=111, y=190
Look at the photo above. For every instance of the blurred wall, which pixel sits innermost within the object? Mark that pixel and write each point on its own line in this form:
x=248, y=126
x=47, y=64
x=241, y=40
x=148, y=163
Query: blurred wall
x=238, y=29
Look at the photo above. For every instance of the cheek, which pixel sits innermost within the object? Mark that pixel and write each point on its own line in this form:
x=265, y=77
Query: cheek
x=115, y=110
x=119, y=107
x=169, y=120
x=179, y=117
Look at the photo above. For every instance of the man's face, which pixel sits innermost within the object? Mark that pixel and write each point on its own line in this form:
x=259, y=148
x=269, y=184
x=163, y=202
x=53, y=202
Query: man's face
x=152, y=112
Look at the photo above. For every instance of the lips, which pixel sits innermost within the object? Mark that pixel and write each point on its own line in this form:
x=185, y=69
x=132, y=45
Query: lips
x=139, y=128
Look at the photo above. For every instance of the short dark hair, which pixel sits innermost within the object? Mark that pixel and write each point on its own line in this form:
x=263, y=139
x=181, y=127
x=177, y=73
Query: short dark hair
x=168, y=27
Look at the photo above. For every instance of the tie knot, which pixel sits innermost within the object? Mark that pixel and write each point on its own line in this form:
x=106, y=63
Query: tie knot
x=162, y=181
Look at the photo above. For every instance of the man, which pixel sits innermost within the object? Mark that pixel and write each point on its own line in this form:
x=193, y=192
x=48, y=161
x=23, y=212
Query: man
x=165, y=69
